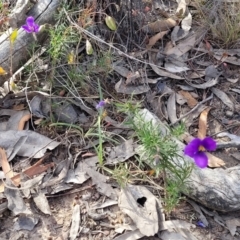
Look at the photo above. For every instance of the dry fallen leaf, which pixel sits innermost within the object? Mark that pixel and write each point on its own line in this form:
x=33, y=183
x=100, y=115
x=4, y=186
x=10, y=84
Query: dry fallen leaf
x=25, y=223
x=121, y=87
x=132, y=77
x=181, y=7
x=211, y=72
x=76, y=220
x=224, y=97
x=191, y=101
x=36, y=169
x=171, y=108
x=155, y=38
x=187, y=22
x=19, y=107
x=23, y=120
x=160, y=25
x=5, y=164
x=232, y=225
x=202, y=125
x=177, y=34
x=208, y=84
x=121, y=152
x=161, y=72
x=173, y=68
x=214, y=161
x=145, y=215
x=184, y=46
x=42, y=203
x=15, y=200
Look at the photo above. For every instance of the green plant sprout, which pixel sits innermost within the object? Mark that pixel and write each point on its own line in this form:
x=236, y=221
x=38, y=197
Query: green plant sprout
x=160, y=153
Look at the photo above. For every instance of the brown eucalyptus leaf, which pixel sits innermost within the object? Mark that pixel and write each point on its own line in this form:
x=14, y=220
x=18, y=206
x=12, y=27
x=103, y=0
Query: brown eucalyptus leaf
x=159, y=26
x=214, y=161
x=202, y=125
x=180, y=99
x=191, y=101
x=5, y=164
x=155, y=38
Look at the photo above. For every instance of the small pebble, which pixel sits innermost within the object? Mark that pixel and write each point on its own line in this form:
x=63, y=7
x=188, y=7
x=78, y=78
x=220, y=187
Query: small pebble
x=229, y=113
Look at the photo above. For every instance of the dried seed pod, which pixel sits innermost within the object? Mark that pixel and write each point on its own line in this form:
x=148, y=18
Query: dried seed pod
x=111, y=23
x=89, y=48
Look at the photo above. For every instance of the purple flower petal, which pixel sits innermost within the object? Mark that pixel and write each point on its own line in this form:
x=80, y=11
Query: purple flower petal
x=31, y=26
x=209, y=144
x=200, y=224
x=26, y=28
x=30, y=21
x=101, y=104
x=201, y=159
x=36, y=27
x=193, y=147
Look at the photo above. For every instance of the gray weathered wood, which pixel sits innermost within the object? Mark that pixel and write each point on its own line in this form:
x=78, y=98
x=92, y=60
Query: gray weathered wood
x=44, y=12
x=217, y=188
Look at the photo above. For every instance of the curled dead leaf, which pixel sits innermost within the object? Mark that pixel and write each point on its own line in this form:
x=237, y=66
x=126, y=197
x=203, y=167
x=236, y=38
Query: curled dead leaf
x=213, y=161
x=202, y=125
x=155, y=38
x=191, y=101
x=160, y=25
x=5, y=164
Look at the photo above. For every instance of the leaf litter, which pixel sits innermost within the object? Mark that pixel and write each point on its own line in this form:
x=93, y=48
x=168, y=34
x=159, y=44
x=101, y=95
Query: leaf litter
x=56, y=174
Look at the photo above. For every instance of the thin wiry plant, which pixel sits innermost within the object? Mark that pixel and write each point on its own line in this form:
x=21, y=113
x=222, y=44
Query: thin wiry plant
x=161, y=154
x=222, y=20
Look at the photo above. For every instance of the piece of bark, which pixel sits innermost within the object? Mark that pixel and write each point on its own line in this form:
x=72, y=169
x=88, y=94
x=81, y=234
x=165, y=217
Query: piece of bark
x=43, y=13
x=217, y=188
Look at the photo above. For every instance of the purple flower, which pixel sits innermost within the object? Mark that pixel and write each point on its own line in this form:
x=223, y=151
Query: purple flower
x=31, y=26
x=200, y=224
x=101, y=104
x=195, y=149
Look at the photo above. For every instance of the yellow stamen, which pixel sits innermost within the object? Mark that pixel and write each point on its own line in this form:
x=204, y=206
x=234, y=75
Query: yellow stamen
x=201, y=148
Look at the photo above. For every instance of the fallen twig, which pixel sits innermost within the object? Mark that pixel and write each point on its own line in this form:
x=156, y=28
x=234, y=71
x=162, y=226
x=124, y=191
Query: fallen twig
x=192, y=110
